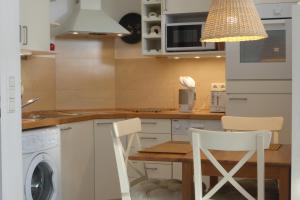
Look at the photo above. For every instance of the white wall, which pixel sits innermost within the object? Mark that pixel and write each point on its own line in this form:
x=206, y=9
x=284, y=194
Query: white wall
x=296, y=106
x=10, y=135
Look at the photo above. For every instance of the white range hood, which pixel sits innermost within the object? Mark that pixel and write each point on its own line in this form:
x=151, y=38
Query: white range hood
x=89, y=18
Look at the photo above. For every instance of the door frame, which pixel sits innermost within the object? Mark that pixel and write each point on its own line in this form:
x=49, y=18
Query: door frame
x=295, y=193
x=11, y=172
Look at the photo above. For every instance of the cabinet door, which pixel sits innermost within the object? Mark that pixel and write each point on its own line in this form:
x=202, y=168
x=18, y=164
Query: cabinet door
x=187, y=6
x=77, y=149
x=269, y=59
x=154, y=131
x=35, y=25
x=263, y=105
x=154, y=169
x=107, y=184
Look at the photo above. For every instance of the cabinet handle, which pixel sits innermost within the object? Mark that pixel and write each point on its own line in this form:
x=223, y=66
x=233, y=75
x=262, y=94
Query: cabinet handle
x=104, y=123
x=238, y=99
x=148, y=138
x=149, y=123
x=165, y=5
x=26, y=35
x=20, y=34
x=151, y=168
x=66, y=129
x=198, y=127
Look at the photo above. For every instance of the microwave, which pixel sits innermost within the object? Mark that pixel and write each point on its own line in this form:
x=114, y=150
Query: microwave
x=184, y=37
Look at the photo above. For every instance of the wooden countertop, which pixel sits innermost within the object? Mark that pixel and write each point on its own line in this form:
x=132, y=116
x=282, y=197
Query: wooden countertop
x=52, y=118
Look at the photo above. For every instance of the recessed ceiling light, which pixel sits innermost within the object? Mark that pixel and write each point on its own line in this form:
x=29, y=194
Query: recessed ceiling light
x=197, y=57
x=176, y=58
x=120, y=34
x=75, y=33
x=218, y=56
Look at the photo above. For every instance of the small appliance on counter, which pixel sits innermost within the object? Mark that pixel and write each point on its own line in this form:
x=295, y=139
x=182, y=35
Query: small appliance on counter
x=187, y=96
x=218, y=98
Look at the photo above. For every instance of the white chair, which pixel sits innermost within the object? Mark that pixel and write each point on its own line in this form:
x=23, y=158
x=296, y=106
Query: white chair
x=273, y=124
x=252, y=142
x=142, y=188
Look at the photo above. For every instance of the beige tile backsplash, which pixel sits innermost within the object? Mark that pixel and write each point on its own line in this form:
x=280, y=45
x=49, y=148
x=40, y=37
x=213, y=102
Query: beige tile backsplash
x=38, y=80
x=154, y=82
x=85, y=74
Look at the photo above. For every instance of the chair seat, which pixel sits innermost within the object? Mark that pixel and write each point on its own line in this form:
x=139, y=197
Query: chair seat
x=229, y=192
x=155, y=189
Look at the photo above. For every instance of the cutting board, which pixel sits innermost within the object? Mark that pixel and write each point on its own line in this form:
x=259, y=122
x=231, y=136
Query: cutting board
x=171, y=147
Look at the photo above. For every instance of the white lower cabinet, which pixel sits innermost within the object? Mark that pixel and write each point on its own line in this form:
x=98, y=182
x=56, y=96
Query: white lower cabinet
x=89, y=169
x=106, y=175
x=264, y=105
x=154, y=131
x=77, y=154
x=161, y=170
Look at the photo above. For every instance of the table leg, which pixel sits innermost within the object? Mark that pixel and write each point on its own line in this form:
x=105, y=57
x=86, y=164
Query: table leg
x=213, y=180
x=187, y=181
x=284, y=184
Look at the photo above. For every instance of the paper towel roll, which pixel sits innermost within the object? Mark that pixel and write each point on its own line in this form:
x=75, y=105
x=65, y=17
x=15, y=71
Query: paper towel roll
x=155, y=30
x=152, y=14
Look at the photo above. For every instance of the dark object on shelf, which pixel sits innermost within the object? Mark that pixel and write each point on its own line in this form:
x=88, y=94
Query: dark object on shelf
x=132, y=22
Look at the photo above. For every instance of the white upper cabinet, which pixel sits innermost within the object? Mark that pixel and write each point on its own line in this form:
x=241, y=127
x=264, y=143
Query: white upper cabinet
x=185, y=6
x=34, y=25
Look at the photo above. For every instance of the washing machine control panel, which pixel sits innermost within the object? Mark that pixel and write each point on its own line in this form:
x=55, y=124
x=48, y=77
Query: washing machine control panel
x=40, y=139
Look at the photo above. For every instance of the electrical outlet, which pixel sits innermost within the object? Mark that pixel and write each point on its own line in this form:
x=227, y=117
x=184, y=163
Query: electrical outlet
x=218, y=87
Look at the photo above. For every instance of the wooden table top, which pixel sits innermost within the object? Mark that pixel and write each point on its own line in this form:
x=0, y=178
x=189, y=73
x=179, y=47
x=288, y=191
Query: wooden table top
x=281, y=157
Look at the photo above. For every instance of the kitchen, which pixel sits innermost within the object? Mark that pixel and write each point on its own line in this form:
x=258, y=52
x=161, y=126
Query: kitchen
x=88, y=83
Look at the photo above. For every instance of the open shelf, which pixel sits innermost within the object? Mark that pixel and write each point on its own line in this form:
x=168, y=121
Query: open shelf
x=152, y=2
x=152, y=19
x=149, y=36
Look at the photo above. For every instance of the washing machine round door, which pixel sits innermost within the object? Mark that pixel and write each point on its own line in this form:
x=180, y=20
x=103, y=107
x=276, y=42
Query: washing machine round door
x=41, y=179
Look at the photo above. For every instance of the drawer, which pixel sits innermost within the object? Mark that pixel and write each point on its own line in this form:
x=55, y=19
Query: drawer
x=180, y=128
x=148, y=140
x=156, y=170
x=159, y=171
x=156, y=126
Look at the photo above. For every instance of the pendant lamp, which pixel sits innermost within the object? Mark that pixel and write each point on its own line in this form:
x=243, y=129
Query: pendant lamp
x=233, y=21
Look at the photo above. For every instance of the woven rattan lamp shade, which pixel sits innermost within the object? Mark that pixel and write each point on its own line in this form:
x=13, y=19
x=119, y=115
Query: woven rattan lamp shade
x=233, y=21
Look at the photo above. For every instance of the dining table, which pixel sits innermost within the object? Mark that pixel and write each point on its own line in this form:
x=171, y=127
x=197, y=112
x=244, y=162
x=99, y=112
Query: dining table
x=277, y=164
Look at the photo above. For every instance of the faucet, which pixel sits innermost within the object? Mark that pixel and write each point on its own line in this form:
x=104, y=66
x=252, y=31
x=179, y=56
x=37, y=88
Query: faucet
x=30, y=101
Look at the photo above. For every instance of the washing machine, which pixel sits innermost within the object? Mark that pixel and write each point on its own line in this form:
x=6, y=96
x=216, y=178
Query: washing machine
x=41, y=164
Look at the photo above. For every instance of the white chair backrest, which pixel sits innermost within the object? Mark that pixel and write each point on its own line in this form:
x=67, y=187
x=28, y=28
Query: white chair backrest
x=273, y=124
x=129, y=128
x=250, y=142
